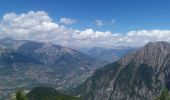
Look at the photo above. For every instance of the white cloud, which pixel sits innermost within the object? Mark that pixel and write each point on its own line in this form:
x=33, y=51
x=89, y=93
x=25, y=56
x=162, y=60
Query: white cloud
x=99, y=22
x=38, y=26
x=67, y=21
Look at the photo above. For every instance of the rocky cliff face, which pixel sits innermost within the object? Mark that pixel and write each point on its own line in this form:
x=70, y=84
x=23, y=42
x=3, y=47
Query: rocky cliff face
x=137, y=76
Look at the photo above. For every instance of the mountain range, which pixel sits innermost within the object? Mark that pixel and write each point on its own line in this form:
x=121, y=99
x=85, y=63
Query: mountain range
x=108, y=54
x=26, y=64
x=139, y=75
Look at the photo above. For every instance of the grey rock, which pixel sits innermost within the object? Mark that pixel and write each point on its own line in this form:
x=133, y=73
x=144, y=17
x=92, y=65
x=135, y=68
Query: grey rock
x=139, y=75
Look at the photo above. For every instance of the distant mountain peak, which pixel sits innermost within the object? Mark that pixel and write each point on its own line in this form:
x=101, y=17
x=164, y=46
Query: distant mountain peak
x=48, y=44
x=153, y=53
x=29, y=63
x=159, y=44
x=137, y=76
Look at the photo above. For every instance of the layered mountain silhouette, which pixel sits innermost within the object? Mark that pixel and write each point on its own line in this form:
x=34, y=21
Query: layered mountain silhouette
x=139, y=75
x=108, y=54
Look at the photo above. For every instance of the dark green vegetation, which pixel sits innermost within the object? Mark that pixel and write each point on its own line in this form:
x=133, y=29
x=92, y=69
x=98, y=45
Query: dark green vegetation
x=19, y=95
x=164, y=95
x=48, y=93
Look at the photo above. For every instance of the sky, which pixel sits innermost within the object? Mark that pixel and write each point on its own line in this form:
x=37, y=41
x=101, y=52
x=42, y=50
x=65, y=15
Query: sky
x=86, y=22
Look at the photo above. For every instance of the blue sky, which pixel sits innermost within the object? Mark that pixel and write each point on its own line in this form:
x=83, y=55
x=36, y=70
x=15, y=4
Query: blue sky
x=128, y=14
x=86, y=22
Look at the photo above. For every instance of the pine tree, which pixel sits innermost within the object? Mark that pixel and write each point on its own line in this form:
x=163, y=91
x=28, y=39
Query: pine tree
x=19, y=95
x=164, y=95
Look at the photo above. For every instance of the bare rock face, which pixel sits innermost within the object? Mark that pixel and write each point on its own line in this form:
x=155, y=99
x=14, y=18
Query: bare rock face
x=137, y=76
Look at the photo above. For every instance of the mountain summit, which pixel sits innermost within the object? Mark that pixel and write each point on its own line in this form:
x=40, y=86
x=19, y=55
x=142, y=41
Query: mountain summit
x=137, y=76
